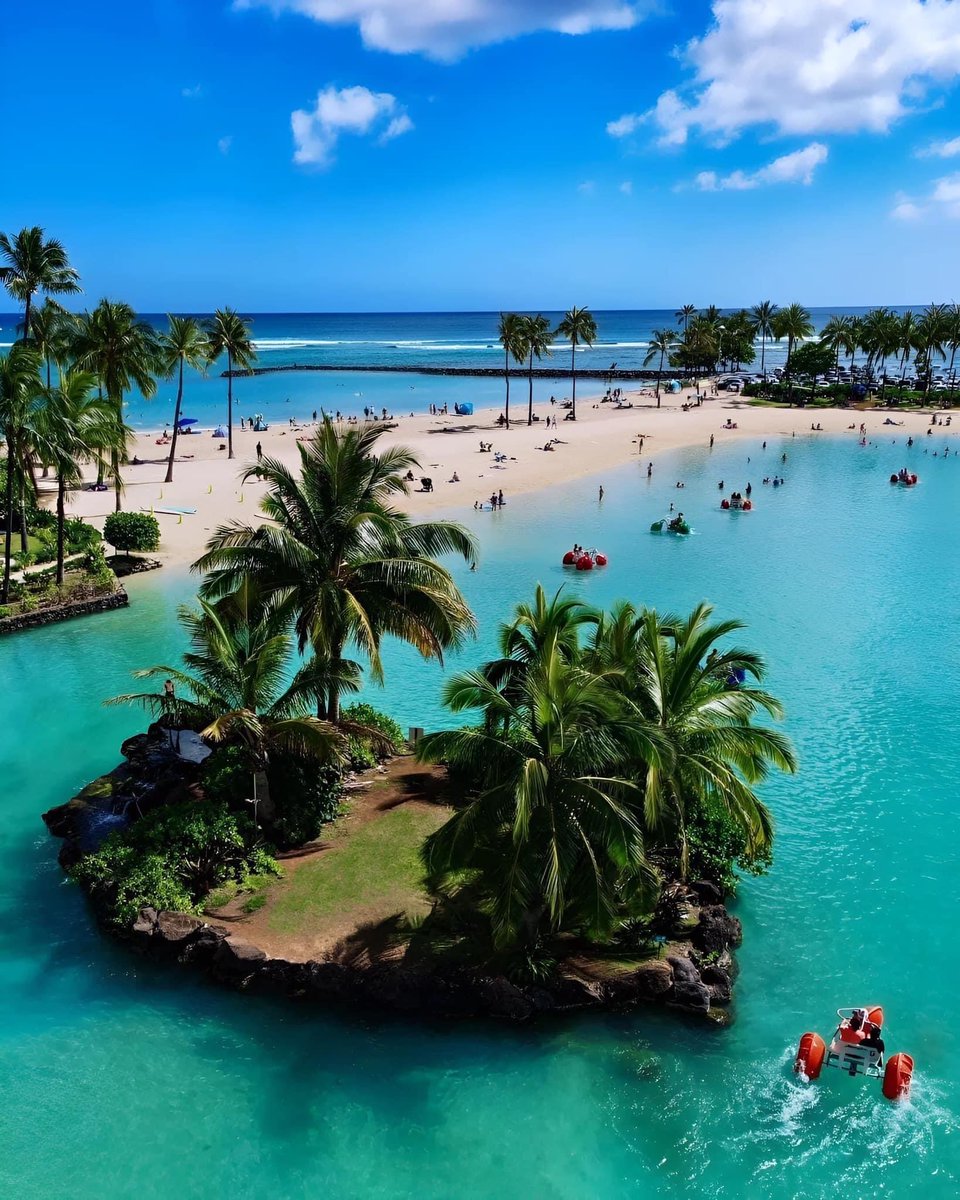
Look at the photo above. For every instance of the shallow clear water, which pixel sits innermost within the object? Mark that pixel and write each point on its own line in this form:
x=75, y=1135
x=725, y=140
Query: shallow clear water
x=121, y=1080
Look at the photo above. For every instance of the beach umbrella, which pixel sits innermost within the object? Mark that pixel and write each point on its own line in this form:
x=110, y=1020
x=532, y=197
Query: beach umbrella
x=185, y=421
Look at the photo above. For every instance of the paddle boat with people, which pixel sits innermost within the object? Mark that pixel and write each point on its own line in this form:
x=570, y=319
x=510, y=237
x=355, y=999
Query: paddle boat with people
x=736, y=503
x=584, y=560
x=904, y=478
x=677, y=525
x=857, y=1048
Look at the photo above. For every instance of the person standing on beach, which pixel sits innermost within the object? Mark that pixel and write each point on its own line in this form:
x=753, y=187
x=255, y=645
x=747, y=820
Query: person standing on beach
x=259, y=452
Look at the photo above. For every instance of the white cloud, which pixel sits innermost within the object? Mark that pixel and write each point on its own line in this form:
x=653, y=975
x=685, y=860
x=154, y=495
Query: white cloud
x=819, y=66
x=625, y=125
x=354, y=110
x=627, y=187
x=943, y=200
x=444, y=29
x=191, y=93
x=797, y=167
x=224, y=144
x=947, y=149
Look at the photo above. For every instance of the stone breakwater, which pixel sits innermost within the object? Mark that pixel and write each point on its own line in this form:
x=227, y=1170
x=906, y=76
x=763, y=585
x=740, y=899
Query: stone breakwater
x=64, y=612
x=693, y=974
x=467, y=372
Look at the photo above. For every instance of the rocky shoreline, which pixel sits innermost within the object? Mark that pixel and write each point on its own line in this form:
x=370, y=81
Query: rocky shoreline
x=64, y=612
x=694, y=975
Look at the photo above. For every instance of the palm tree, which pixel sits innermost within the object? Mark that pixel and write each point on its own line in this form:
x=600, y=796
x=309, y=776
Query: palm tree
x=233, y=689
x=552, y=836
x=34, y=264
x=880, y=337
x=19, y=421
x=123, y=353
x=537, y=340
x=838, y=334
x=762, y=316
x=339, y=558
x=684, y=314
x=183, y=343
x=680, y=682
x=51, y=331
x=510, y=336
x=662, y=342
x=535, y=629
x=79, y=426
x=794, y=324
x=907, y=340
x=229, y=334
x=952, y=336
x=578, y=325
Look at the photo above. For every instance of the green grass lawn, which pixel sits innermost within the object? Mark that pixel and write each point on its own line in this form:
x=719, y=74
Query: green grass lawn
x=372, y=870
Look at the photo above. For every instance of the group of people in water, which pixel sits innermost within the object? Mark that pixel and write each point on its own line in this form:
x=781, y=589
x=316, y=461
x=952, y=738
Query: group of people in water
x=867, y=1033
x=496, y=501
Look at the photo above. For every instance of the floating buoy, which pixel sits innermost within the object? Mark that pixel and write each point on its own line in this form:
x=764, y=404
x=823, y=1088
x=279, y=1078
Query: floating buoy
x=601, y=560
x=569, y=558
x=810, y=1052
x=584, y=563
x=747, y=505
x=724, y=503
x=897, y=1077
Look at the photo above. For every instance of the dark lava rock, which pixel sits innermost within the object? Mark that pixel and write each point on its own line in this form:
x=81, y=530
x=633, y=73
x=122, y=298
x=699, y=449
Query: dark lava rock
x=142, y=931
x=707, y=892
x=716, y=930
x=394, y=987
x=176, y=928
x=236, y=961
x=689, y=992
x=718, y=983
x=330, y=981
x=202, y=948
x=501, y=998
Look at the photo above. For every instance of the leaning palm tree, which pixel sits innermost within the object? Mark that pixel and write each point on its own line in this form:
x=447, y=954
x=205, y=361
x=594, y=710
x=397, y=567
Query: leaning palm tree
x=552, y=839
x=235, y=688
x=661, y=343
x=578, y=325
x=20, y=415
x=510, y=336
x=122, y=352
x=762, y=317
x=684, y=313
x=537, y=340
x=78, y=426
x=838, y=334
x=339, y=559
x=229, y=334
x=51, y=331
x=698, y=698
x=34, y=263
x=184, y=344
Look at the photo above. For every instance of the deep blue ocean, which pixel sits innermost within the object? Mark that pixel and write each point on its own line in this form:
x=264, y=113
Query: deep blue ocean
x=390, y=339
x=122, y=1080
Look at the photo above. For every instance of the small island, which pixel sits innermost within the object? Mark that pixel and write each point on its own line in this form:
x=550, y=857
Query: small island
x=567, y=845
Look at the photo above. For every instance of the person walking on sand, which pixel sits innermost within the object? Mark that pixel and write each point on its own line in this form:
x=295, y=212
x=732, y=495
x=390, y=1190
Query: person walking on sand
x=259, y=452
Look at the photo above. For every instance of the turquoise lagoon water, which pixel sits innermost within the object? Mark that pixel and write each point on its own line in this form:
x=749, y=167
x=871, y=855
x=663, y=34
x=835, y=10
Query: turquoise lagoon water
x=120, y=1080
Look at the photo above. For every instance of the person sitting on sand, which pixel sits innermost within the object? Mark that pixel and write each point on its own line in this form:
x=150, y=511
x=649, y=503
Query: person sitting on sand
x=454, y=478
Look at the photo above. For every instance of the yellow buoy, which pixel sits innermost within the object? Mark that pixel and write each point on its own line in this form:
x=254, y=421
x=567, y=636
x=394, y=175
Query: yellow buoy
x=209, y=489
x=180, y=519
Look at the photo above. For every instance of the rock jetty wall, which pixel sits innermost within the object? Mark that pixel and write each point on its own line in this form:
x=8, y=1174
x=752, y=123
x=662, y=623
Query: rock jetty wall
x=64, y=612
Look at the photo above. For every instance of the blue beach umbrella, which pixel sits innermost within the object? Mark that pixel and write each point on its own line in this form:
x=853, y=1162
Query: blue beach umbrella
x=185, y=421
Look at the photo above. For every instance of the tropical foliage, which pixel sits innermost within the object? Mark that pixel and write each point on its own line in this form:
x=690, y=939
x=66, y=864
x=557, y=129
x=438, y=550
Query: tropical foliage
x=579, y=328
x=342, y=562
x=606, y=743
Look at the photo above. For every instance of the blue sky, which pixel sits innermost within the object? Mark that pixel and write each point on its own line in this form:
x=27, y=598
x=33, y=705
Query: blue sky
x=483, y=154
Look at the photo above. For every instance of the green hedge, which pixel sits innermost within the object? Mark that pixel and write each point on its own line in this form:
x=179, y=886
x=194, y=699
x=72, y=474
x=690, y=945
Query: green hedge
x=365, y=752
x=132, y=531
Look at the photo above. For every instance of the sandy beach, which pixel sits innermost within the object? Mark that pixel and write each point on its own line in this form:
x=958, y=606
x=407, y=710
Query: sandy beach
x=603, y=436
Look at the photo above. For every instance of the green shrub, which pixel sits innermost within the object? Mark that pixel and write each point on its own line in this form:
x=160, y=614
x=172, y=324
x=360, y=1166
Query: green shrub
x=5, y=611
x=718, y=847
x=132, y=531
x=363, y=752
x=79, y=535
x=305, y=796
x=171, y=858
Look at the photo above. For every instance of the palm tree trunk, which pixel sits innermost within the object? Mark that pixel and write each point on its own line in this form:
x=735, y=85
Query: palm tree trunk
x=573, y=375
x=506, y=376
x=168, y=478
x=61, y=522
x=530, y=404
x=26, y=317
x=229, y=405
x=23, y=511
x=659, y=376
x=8, y=535
x=763, y=355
